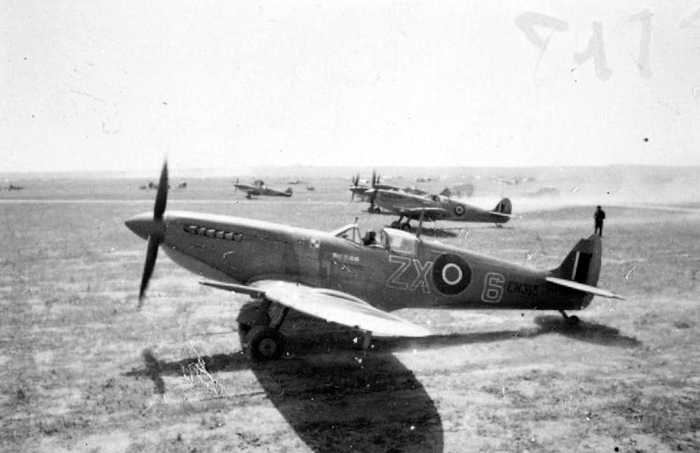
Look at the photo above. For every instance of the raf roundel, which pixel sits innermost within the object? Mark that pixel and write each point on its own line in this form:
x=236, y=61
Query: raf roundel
x=459, y=209
x=451, y=274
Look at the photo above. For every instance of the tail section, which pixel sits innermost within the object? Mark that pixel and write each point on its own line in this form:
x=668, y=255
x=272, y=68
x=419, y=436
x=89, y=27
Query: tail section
x=288, y=191
x=582, y=264
x=504, y=207
x=580, y=270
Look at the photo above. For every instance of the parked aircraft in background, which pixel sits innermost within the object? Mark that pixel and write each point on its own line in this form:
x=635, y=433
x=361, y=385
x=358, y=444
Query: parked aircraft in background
x=514, y=181
x=339, y=278
x=411, y=206
x=360, y=188
x=260, y=189
x=11, y=188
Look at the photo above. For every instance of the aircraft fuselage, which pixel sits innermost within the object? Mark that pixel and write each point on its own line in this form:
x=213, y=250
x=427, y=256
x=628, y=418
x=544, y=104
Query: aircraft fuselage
x=449, y=209
x=404, y=271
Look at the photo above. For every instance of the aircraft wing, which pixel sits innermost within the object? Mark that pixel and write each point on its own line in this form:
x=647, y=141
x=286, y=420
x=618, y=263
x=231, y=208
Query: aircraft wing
x=428, y=213
x=330, y=305
x=245, y=188
x=584, y=288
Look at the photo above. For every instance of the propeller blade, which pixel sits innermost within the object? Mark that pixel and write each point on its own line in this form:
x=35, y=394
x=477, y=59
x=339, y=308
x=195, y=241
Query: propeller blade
x=151, y=255
x=157, y=232
x=373, y=191
x=161, y=195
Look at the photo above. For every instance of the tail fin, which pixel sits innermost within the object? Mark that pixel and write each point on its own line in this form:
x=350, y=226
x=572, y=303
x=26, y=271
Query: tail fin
x=582, y=264
x=580, y=270
x=504, y=207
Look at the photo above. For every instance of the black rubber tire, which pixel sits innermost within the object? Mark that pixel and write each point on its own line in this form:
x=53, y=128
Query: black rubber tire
x=573, y=321
x=264, y=344
x=243, y=330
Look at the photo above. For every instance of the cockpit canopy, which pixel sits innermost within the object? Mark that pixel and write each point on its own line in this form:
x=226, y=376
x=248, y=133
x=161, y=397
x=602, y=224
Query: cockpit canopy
x=399, y=241
x=396, y=241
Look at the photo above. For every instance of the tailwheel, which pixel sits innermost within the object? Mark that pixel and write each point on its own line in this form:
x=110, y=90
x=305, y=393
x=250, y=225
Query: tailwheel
x=570, y=320
x=264, y=343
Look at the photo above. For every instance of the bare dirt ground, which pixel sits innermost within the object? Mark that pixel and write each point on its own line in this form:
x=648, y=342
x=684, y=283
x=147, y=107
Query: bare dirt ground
x=83, y=370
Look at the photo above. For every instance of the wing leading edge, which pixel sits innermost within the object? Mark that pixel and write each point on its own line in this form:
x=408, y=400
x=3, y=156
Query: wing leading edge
x=329, y=305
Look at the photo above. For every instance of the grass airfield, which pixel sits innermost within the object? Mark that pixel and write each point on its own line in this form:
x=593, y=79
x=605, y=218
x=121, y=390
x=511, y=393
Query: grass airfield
x=83, y=370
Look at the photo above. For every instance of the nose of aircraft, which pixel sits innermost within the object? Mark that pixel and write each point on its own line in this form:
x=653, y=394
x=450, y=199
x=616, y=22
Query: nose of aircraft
x=142, y=224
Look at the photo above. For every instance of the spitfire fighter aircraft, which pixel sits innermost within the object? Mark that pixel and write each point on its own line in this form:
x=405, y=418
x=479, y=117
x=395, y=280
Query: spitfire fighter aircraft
x=259, y=188
x=414, y=206
x=11, y=188
x=336, y=277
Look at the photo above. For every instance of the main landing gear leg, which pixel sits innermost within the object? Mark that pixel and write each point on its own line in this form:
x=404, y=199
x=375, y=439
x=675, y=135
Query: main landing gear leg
x=397, y=223
x=366, y=341
x=259, y=330
x=570, y=320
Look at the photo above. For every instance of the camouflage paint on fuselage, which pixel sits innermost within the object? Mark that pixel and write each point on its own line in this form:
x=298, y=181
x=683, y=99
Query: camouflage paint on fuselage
x=435, y=207
x=404, y=271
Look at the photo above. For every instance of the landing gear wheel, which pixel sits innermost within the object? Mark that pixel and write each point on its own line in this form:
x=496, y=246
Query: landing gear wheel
x=395, y=224
x=406, y=227
x=246, y=323
x=264, y=343
x=243, y=330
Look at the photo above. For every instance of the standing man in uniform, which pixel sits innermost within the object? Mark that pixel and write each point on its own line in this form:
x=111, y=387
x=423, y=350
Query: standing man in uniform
x=599, y=217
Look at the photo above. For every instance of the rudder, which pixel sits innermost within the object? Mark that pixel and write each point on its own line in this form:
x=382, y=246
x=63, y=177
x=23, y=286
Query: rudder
x=582, y=264
x=504, y=207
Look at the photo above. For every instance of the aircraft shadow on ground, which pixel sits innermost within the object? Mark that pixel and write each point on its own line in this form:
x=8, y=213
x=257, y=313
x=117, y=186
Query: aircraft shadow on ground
x=587, y=331
x=339, y=398
x=336, y=398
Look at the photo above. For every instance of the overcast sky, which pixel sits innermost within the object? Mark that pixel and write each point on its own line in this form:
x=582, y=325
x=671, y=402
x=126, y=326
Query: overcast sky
x=104, y=85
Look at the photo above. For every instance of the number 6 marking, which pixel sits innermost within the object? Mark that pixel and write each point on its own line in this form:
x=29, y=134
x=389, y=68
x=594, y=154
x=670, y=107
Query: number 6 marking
x=493, y=287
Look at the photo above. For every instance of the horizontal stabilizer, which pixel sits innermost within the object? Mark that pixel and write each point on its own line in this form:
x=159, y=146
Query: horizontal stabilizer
x=585, y=288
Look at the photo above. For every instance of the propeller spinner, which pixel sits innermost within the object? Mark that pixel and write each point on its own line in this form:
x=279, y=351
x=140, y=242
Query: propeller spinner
x=152, y=228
